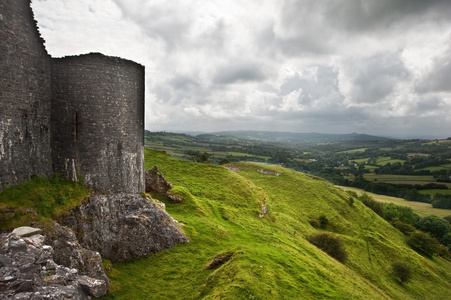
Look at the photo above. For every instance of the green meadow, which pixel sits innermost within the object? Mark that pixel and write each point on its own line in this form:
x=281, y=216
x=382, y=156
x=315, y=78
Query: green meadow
x=249, y=237
x=258, y=227
x=420, y=208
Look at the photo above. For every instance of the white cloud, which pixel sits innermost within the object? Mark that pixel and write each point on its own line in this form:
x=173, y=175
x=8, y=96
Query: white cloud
x=328, y=66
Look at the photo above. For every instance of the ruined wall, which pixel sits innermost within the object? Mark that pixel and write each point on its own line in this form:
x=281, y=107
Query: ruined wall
x=24, y=96
x=98, y=121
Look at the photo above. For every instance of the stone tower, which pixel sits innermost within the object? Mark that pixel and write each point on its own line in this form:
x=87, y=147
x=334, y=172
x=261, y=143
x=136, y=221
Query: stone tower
x=98, y=121
x=79, y=116
x=24, y=96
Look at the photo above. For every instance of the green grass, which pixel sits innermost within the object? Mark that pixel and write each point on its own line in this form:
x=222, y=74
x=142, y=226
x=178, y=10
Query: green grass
x=271, y=257
x=383, y=160
x=412, y=179
x=438, y=168
x=361, y=160
x=39, y=199
x=360, y=150
x=437, y=191
x=421, y=208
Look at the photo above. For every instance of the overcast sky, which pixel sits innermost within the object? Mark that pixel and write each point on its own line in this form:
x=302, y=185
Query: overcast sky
x=379, y=67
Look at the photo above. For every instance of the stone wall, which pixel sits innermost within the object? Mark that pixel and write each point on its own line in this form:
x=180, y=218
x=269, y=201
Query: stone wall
x=93, y=130
x=24, y=96
x=98, y=121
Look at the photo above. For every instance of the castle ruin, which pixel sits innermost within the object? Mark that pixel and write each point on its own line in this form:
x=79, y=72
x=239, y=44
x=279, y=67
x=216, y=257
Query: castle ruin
x=80, y=116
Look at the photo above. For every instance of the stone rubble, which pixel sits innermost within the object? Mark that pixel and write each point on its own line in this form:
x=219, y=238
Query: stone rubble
x=28, y=271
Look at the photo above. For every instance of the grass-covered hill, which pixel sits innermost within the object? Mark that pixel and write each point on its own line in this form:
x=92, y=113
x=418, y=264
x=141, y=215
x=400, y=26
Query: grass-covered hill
x=236, y=254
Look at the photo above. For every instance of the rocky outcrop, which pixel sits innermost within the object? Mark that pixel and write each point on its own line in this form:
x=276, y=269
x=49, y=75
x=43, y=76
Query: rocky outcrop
x=174, y=198
x=68, y=252
x=155, y=181
x=124, y=226
x=28, y=271
x=267, y=172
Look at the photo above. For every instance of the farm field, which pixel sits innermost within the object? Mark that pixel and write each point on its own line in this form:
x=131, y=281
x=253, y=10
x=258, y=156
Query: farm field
x=421, y=208
x=437, y=191
x=360, y=150
x=378, y=161
x=409, y=179
x=382, y=161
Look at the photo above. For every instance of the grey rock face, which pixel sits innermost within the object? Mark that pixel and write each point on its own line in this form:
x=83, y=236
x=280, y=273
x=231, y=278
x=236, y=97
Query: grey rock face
x=25, y=231
x=155, y=181
x=124, y=226
x=69, y=253
x=27, y=271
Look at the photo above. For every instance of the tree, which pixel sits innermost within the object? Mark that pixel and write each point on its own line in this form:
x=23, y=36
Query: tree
x=331, y=244
x=393, y=212
x=434, y=225
x=369, y=201
x=402, y=271
x=423, y=243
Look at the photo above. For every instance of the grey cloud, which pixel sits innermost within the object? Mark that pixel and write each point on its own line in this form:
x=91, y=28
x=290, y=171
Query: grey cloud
x=382, y=14
x=169, y=21
x=376, y=77
x=438, y=80
x=429, y=104
x=183, y=82
x=238, y=72
x=361, y=15
x=227, y=63
x=324, y=88
x=322, y=27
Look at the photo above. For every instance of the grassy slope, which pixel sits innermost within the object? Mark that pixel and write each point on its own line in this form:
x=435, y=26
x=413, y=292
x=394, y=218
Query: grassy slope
x=272, y=258
x=421, y=208
x=39, y=200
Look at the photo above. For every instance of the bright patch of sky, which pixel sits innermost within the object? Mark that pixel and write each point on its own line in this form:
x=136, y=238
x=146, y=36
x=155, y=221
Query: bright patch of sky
x=335, y=66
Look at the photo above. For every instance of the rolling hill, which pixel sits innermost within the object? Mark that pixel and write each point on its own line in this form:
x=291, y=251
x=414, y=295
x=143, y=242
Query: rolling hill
x=298, y=138
x=249, y=227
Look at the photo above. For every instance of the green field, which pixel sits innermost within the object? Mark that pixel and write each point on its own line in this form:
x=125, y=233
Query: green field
x=270, y=257
x=361, y=160
x=258, y=226
x=360, y=150
x=433, y=192
x=410, y=179
x=421, y=208
x=382, y=161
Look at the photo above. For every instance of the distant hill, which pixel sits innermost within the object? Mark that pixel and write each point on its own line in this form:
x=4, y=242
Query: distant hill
x=298, y=138
x=271, y=136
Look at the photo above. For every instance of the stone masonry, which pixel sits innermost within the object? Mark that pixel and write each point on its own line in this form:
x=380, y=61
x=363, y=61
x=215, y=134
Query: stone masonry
x=79, y=116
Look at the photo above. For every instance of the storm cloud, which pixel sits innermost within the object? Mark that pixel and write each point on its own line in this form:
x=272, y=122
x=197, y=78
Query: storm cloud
x=334, y=66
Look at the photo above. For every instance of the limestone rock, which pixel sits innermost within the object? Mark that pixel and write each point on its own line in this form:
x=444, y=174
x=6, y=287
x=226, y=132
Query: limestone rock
x=155, y=181
x=124, y=226
x=26, y=231
x=174, y=198
x=92, y=286
x=27, y=271
x=69, y=253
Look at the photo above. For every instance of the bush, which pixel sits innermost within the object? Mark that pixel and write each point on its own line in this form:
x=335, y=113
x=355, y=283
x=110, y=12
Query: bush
x=402, y=271
x=405, y=228
x=315, y=223
x=404, y=214
x=434, y=225
x=331, y=244
x=376, y=206
x=323, y=221
x=424, y=243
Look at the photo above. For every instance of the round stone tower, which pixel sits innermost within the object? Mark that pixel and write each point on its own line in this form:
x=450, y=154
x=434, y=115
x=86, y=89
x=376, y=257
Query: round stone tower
x=98, y=121
x=24, y=96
